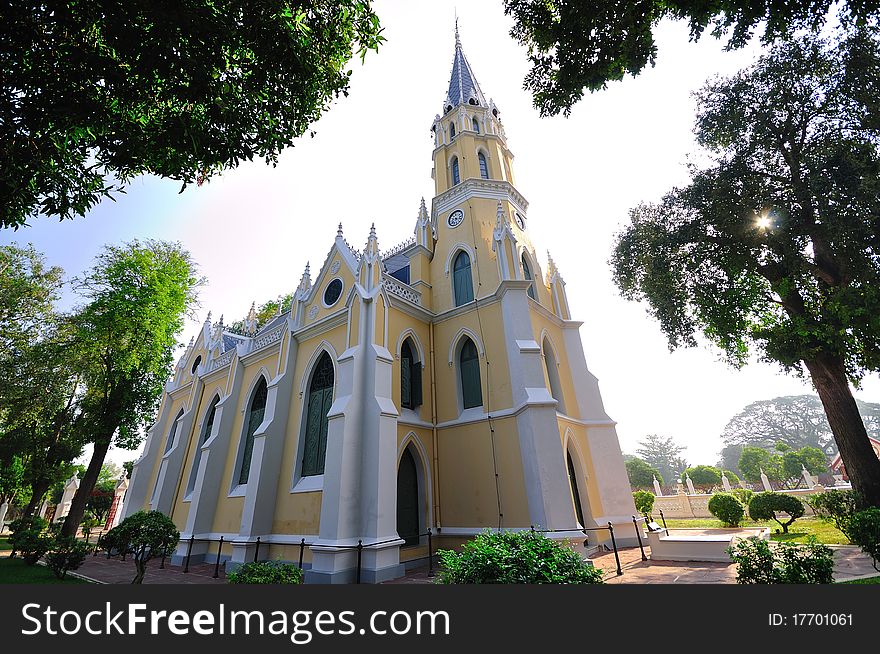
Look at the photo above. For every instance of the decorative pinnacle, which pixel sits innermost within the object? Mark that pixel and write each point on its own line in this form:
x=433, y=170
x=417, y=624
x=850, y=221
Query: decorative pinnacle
x=192, y=340
x=457, y=40
x=253, y=312
x=499, y=214
x=208, y=319
x=338, y=233
x=221, y=320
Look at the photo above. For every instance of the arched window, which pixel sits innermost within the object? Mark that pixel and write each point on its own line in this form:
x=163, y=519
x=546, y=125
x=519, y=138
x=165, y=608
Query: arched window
x=451, y=131
x=456, y=178
x=575, y=495
x=410, y=376
x=196, y=363
x=318, y=406
x=469, y=370
x=408, y=509
x=484, y=167
x=476, y=125
x=527, y=274
x=255, y=419
x=462, y=285
x=206, y=434
x=553, y=376
x=170, y=442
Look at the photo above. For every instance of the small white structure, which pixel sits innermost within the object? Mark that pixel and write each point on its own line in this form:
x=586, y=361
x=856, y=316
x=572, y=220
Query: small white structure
x=70, y=489
x=725, y=482
x=657, y=491
x=3, y=510
x=43, y=508
x=808, y=478
x=697, y=544
x=765, y=482
x=690, y=485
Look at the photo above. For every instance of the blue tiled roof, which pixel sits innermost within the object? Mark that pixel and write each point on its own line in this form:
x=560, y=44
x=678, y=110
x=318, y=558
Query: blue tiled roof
x=463, y=86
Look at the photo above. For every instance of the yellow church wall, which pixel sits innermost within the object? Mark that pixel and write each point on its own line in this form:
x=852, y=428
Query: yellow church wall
x=398, y=323
x=541, y=324
x=299, y=513
x=467, y=475
x=227, y=516
x=344, y=274
x=178, y=401
x=489, y=328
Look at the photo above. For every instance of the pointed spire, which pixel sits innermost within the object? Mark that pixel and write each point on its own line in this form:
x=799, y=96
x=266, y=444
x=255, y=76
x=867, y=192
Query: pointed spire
x=253, y=312
x=192, y=341
x=208, y=319
x=499, y=215
x=338, y=233
x=305, y=283
x=551, y=265
x=463, y=86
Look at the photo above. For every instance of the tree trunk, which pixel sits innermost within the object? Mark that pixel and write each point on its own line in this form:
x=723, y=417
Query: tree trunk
x=141, y=567
x=862, y=465
x=86, y=486
x=38, y=491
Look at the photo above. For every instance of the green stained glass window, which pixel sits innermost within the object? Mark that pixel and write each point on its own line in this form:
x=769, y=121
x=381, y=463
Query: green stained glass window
x=462, y=284
x=469, y=369
x=255, y=419
x=317, y=407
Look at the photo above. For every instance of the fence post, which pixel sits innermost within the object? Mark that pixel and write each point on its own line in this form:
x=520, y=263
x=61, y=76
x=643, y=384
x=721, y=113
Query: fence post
x=162, y=562
x=614, y=545
x=217, y=562
x=189, y=549
x=639, y=536
x=430, y=555
x=360, y=550
x=664, y=522
x=97, y=542
x=302, y=547
x=257, y=550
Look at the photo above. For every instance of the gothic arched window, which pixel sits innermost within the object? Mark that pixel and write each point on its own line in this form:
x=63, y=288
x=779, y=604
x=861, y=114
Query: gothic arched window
x=462, y=285
x=451, y=131
x=318, y=404
x=205, y=435
x=410, y=376
x=469, y=372
x=255, y=419
x=456, y=178
x=476, y=126
x=527, y=274
x=552, y=368
x=484, y=167
x=196, y=363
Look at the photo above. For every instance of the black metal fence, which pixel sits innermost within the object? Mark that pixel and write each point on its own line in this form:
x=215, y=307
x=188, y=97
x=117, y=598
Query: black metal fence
x=359, y=548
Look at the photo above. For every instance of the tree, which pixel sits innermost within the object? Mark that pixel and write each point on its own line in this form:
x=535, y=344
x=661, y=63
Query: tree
x=144, y=535
x=704, y=477
x=662, y=453
x=755, y=459
x=641, y=475
x=770, y=248
x=92, y=96
x=730, y=458
x=138, y=294
x=575, y=46
x=796, y=420
x=766, y=506
x=794, y=462
x=266, y=312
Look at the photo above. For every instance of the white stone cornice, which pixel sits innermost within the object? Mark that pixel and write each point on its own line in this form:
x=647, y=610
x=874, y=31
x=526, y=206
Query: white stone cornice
x=324, y=324
x=495, y=189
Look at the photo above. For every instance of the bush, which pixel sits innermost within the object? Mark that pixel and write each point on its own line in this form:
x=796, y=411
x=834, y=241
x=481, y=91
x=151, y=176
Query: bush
x=744, y=495
x=266, y=572
x=787, y=563
x=704, y=477
x=727, y=509
x=144, y=535
x=864, y=531
x=765, y=506
x=29, y=538
x=506, y=557
x=644, y=501
x=835, y=506
x=67, y=554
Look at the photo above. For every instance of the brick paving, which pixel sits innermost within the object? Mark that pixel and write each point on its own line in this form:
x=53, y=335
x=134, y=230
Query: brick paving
x=116, y=571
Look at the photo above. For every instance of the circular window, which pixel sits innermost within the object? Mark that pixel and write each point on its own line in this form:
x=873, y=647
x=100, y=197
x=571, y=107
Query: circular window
x=332, y=292
x=455, y=218
x=519, y=220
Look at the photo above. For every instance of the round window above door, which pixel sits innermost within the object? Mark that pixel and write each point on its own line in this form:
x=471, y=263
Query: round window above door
x=332, y=292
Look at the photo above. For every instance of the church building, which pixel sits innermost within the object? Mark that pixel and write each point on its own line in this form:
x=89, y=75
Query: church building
x=439, y=385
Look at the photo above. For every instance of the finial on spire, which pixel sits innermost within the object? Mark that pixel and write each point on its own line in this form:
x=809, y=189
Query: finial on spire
x=221, y=320
x=338, y=233
x=192, y=340
x=208, y=319
x=457, y=40
x=499, y=214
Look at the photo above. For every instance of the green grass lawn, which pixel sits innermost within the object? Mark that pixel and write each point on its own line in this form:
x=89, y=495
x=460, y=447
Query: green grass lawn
x=16, y=571
x=798, y=532
x=869, y=580
x=4, y=544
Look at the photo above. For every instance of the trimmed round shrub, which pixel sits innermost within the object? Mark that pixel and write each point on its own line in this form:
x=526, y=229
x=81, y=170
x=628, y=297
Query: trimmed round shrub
x=144, y=535
x=864, y=531
x=67, y=554
x=766, y=506
x=835, y=506
x=644, y=501
x=508, y=557
x=727, y=509
x=29, y=538
x=786, y=563
x=266, y=572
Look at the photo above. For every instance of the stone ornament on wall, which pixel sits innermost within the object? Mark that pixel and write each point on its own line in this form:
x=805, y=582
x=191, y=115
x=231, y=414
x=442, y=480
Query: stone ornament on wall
x=313, y=312
x=334, y=268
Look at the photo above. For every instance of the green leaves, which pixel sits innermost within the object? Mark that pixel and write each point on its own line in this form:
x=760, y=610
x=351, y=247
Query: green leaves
x=91, y=97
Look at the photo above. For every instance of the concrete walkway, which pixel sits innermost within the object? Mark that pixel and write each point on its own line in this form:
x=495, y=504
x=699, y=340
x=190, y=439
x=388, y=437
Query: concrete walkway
x=102, y=570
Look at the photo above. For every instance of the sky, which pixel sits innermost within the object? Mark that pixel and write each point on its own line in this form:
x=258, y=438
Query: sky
x=253, y=229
